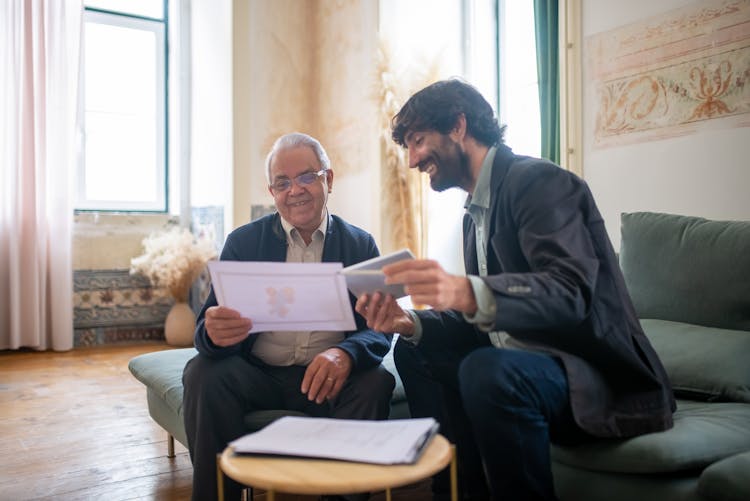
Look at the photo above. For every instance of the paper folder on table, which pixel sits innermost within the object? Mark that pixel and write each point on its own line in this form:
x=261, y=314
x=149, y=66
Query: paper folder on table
x=394, y=441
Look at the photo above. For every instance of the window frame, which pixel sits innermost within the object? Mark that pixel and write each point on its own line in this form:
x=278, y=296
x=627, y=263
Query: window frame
x=160, y=28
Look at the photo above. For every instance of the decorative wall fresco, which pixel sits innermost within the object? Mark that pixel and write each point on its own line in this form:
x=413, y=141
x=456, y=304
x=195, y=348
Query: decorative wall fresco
x=673, y=74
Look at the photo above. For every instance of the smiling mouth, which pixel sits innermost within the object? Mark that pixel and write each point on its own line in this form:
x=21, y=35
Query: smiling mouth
x=429, y=168
x=298, y=204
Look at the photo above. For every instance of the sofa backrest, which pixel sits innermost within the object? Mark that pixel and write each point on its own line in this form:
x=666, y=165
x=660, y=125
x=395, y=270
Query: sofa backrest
x=687, y=269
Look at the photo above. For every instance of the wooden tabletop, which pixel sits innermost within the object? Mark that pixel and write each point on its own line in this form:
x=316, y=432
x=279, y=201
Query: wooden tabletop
x=321, y=476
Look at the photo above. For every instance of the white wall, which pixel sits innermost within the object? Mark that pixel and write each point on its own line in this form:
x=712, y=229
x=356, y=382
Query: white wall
x=702, y=174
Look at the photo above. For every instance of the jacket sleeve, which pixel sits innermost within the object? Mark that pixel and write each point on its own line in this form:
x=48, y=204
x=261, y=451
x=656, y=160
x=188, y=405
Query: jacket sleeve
x=550, y=258
x=203, y=343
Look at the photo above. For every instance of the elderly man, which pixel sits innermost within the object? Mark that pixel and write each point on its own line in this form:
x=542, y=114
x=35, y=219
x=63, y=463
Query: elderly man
x=324, y=374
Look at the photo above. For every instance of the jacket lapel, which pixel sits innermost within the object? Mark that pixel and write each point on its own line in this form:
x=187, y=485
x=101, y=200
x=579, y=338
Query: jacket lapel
x=275, y=248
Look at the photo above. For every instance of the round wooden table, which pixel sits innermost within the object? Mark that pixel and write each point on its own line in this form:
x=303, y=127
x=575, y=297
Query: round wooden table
x=323, y=476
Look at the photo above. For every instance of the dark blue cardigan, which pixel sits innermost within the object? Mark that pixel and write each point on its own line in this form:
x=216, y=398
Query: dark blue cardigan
x=264, y=240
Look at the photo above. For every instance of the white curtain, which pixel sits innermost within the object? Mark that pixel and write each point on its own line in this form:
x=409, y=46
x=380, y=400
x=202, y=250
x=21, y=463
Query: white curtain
x=39, y=65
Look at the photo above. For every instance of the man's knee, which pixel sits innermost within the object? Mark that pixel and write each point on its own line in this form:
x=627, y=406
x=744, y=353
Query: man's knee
x=205, y=376
x=487, y=373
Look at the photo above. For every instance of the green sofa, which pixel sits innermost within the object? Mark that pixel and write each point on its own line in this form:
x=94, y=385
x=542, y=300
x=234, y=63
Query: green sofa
x=161, y=373
x=690, y=282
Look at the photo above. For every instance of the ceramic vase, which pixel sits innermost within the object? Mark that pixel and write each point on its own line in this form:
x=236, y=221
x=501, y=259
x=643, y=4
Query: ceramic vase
x=179, y=325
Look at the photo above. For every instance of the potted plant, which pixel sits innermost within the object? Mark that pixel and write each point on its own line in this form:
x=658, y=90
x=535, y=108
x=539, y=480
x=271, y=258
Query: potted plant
x=173, y=259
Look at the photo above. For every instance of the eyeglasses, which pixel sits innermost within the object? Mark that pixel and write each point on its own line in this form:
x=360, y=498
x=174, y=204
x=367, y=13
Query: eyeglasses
x=304, y=179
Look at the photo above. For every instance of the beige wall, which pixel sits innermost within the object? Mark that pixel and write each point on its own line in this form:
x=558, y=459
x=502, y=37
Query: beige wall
x=109, y=241
x=307, y=66
x=704, y=173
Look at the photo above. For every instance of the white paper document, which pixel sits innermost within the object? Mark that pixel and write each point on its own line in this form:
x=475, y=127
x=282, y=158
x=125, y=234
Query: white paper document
x=394, y=441
x=284, y=296
x=368, y=277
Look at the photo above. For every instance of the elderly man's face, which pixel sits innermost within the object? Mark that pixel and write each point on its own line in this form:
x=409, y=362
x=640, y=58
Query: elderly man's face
x=303, y=206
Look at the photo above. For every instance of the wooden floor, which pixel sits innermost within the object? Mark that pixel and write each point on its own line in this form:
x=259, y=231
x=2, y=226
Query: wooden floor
x=75, y=426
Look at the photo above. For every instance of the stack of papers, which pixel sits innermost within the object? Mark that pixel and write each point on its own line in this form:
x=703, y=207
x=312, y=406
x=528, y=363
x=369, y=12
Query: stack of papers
x=299, y=296
x=395, y=441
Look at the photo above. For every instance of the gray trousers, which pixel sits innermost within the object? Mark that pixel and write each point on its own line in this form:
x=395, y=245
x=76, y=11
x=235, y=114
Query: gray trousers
x=219, y=392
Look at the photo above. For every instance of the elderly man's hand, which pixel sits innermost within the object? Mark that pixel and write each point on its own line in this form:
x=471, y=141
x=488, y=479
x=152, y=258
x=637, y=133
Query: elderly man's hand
x=225, y=326
x=326, y=374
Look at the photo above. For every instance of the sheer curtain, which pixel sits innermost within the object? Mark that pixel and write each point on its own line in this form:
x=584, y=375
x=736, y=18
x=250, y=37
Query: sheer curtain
x=39, y=57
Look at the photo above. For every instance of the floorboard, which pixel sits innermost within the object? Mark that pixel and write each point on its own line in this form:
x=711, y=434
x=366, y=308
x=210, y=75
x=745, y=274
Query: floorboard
x=74, y=426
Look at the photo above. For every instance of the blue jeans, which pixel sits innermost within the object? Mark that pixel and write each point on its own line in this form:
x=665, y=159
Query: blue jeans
x=517, y=402
x=501, y=408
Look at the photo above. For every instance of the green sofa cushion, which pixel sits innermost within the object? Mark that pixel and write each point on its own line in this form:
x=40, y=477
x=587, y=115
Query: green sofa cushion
x=687, y=269
x=702, y=434
x=703, y=363
x=727, y=480
x=161, y=372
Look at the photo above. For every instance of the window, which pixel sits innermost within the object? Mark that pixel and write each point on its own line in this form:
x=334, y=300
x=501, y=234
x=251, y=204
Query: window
x=518, y=82
x=124, y=72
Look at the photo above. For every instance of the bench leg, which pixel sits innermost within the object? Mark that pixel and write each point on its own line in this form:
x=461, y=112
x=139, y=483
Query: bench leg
x=170, y=446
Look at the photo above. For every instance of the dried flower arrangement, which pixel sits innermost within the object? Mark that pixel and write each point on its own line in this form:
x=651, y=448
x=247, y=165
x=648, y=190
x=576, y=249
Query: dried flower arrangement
x=173, y=259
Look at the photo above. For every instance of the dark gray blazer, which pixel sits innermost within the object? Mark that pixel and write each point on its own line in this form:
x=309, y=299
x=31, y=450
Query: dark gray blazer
x=265, y=240
x=558, y=289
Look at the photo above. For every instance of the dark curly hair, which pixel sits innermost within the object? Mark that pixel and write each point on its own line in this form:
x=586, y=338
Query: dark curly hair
x=438, y=106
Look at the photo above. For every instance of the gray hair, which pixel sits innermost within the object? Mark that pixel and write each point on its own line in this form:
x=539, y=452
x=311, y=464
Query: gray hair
x=296, y=140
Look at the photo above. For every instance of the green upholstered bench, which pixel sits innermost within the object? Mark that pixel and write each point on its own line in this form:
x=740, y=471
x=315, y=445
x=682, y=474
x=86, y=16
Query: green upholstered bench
x=161, y=373
x=690, y=283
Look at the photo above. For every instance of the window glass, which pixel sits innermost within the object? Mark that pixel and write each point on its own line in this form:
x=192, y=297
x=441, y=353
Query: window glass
x=519, y=84
x=124, y=162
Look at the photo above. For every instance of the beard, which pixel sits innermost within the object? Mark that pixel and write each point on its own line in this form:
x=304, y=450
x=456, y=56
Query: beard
x=452, y=167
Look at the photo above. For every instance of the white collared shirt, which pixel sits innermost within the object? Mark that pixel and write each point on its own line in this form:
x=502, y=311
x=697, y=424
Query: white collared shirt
x=297, y=347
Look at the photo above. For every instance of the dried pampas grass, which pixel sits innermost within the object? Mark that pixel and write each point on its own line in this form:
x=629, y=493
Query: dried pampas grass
x=404, y=189
x=173, y=260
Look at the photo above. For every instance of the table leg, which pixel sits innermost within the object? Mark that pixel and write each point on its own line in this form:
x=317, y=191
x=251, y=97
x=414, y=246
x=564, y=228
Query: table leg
x=270, y=495
x=219, y=478
x=454, y=475
x=387, y=494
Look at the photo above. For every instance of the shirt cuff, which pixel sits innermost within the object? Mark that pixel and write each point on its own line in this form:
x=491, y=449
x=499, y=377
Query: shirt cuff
x=484, y=318
x=417, y=336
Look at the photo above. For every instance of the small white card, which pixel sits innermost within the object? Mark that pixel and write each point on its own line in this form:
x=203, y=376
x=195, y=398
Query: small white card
x=284, y=296
x=368, y=277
